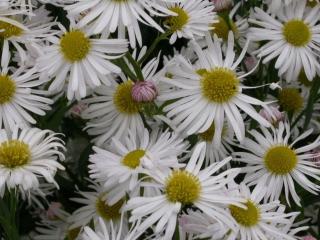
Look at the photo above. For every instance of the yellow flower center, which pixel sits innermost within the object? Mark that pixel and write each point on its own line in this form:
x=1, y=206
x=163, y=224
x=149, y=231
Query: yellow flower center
x=108, y=212
x=297, y=33
x=14, y=153
x=246, y=217
x=73, y=234
x=132, y=159
x=176, y=23
x=74, y=46
x=183, y=187
x=304, y=80
x=312, y=3
x=221, y=28
x=8, y=30
x=123, y=100
x=7, y=89
x=290, y=99
x=218, y=85
x=280, y=160
x=208, y=134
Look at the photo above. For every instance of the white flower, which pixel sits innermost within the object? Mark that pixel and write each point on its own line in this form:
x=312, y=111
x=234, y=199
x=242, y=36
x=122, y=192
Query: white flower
x=292, y=37
x=19, y=96
x=259, y=221
x=95, y=206
x=189, y=186
x=23, y=35
x=119, y=167
x=216, y=153
x=193, y=18
x=210, y=91
x=102, y=232
x=26, y=155
x=111, y=112
x=55, y=228
x=276, y=5
x=106, y=17
x=81, y=58
x=276, y=163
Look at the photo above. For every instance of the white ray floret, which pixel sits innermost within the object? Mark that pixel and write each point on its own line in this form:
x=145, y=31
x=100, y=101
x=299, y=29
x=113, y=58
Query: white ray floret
x=79, y=60
x=28, y=155
x=293, y=39
x=275, y=161
x=210, y=92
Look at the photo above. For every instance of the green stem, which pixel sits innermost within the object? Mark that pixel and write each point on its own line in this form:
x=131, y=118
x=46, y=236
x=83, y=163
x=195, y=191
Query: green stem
x=8, y=213
x=124, y=67
x=312, y=98
x=298, y=118
x=136, y=66
x=161, y=37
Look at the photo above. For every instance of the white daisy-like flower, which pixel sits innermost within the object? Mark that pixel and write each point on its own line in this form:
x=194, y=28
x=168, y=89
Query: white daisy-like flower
x=214, y=153
x=56, y=227
x=81, y=58
x=273, y=161
x=19, y=96
x=275, y=5
x=111, y=112
x=119, y=167
x=237, y=24
x=23, y=35
x=258, y=221
x=210, y=90
x=102, y=232
x=292, y=37
x=193, y=18
x=95, y=207
x=180, y=187
x=119, y=99
x=106, y=17
x=26, y=155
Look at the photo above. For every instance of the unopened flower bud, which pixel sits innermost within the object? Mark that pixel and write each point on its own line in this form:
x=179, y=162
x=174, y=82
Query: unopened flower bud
x=273, y=115
x=52, y=210
x=144, y=91
x=309, y=237
x=222, y=5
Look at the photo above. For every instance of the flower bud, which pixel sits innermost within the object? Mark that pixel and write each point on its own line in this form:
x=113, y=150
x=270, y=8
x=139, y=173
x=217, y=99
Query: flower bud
x=222, y=5
x=309, y=237
x=273, y=115
x=144, y=91
x=52, y=210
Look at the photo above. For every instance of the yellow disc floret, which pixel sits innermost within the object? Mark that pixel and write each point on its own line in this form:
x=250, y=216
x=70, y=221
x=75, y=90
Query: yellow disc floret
x=132, y=159
x=297, y=33
x=74, y=46
x=290, y=99
x=8, y=30
x=108, y=212
x=183, y=187
x=221, y=28
x=7, y=89
x=176, y=23
x=280, y=160
x=246, y=217
x=219, y=85
x=123, y=100
x=14, y=153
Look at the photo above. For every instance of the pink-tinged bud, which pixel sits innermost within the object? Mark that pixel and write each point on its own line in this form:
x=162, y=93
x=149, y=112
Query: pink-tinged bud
x=250, y=62
x=77, y=109
x=144, y=91
x=222, y=5
x=52, y=210
x=309, y=237
x=272, y=115
x=316, y=156
x=183, y=221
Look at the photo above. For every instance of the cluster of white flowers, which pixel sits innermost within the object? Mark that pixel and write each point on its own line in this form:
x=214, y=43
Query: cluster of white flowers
x=200, y=118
